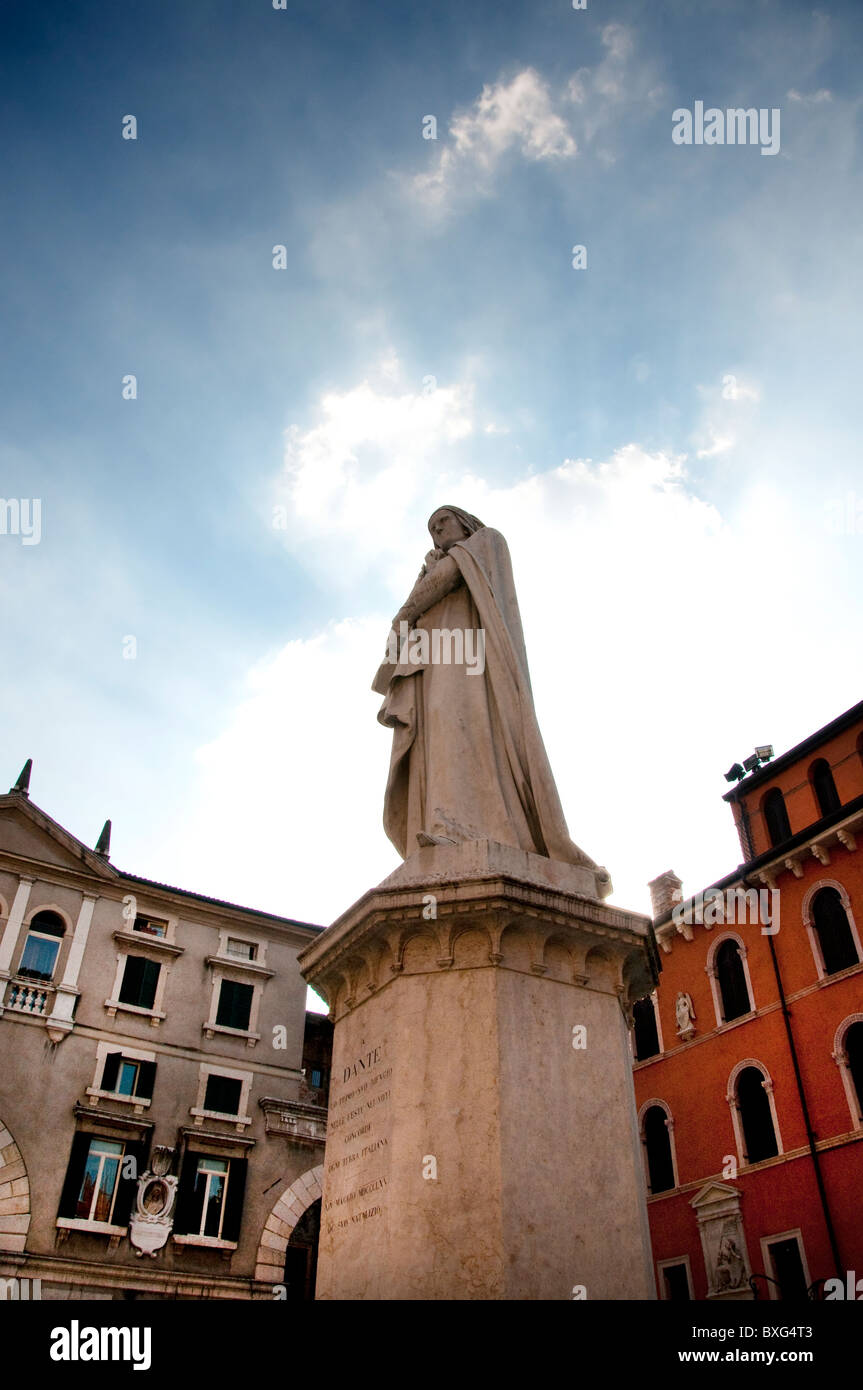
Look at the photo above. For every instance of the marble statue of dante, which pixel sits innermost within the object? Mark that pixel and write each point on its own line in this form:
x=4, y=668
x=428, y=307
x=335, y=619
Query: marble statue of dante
x=468, y=760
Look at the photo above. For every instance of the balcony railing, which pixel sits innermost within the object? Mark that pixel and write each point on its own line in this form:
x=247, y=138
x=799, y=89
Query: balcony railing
x=25, y=997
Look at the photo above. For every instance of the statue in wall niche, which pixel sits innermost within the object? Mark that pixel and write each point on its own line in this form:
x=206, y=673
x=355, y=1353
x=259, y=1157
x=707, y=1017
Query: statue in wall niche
x=468, y=761
x=730, y=1270
x=685, y=1014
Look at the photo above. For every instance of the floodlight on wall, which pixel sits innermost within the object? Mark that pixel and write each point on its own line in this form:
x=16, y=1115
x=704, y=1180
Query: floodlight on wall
x=762, y=755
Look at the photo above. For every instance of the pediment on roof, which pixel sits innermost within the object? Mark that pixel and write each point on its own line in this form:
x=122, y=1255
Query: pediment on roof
x=27, y=831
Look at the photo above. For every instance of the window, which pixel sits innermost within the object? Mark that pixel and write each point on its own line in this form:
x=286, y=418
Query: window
x=756, y=1117
x=42, y=946
x=786, y=1259
x=646, y=1035
x=824, y=787
x=776, y=817
x=235, y=1005
x=140, y=978
x=243, y=950
x=223, y=1094
x=833, y=930
x=99, y=1183
x=151, y=926
x=126, y=1077
x=731, y=977
x=210, y=1197
x=99, y=1186
x=854, y=1051
x=676, y=1283
x=316, y=1079
x=657, y=1141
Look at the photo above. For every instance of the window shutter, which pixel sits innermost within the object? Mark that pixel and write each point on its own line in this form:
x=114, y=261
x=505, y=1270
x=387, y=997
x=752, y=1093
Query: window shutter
x=146, y=1080
x=74, y=1174
x=149, y=980
x=130, y=986
x=190, y=1205
x=112, y=1071
x=234, y=1202
x=127, y=1187
x=235, y=1004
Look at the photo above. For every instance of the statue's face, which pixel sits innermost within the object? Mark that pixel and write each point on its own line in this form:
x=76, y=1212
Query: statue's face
x=446, y=529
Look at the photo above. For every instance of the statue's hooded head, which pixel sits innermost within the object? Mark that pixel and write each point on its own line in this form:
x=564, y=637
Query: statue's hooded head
x=443, y=531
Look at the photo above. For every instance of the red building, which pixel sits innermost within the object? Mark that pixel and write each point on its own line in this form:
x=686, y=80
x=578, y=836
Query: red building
x=749, y=1055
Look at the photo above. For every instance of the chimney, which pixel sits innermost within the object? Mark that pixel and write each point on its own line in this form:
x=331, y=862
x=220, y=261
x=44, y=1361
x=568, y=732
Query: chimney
x=665, y=893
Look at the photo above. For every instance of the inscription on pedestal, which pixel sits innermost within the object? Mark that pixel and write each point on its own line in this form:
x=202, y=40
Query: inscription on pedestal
x=358, y=1140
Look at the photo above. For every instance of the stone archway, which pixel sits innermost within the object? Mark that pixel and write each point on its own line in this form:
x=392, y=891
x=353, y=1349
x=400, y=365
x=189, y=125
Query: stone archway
x=14, y=1195
x=290, y=1206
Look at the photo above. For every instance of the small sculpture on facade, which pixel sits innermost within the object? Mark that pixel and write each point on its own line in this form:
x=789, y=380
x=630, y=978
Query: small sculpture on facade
x=730, y=1271
x=685, y=1014
x=151, y=1225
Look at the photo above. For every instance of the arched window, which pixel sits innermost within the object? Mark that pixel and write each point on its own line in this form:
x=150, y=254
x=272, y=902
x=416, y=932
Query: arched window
x=824, y=787
x=733, y=989
x=833, y=930
x=756, y=1118
x=646, y=1035
x=657, y=1141
x=776, y=817
x=42, y=946
x=854, y=1052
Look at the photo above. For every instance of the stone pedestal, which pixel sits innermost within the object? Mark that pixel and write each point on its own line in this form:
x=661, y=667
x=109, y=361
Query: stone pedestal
x=482, y=1139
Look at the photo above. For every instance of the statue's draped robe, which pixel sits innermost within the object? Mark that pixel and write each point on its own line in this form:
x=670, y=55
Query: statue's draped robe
x=468, y=760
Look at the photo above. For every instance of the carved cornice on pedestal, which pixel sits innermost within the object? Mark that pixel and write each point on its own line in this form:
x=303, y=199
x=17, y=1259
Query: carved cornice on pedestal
x=497, y=921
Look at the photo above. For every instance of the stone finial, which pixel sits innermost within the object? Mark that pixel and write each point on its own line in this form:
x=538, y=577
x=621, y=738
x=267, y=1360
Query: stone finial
x=23, y=783
x=664, y=893
x=103, y=844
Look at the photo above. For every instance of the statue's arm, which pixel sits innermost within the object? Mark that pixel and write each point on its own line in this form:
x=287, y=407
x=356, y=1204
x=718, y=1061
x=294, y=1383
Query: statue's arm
x=439, y=580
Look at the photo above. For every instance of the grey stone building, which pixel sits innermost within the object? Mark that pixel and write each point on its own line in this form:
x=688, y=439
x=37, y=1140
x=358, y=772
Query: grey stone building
x=158, y=1135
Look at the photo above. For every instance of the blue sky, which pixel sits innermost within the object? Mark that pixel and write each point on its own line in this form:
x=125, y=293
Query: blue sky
x=669, y=439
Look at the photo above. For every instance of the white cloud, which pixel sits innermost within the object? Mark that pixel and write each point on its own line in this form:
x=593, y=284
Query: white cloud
x=812, y=98
x=374, y=453
x=523, y=116
x=508, y=116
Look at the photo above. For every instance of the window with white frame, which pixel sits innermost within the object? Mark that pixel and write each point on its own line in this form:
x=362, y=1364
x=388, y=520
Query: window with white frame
x=237, y=989
x=657, y=1139
x=786, y=1267
x=42, y=946
x=151, y=926
x=142, y=973
x=848, y=1056
x=753, y=1112
x=727, y=969
x=101, y=1180
x=210, y=1199
x=223, y=1094
x=124, y=1074
x=243, y=950
x=675, y=1280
